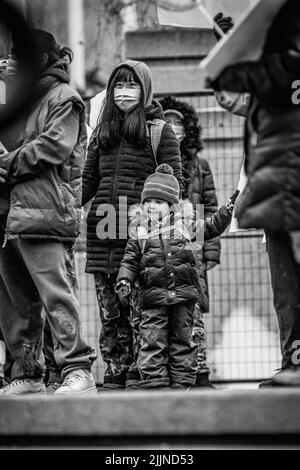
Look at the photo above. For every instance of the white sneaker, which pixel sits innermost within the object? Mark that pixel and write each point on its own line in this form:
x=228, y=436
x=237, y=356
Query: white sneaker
x=76, y=382
x=23, y=387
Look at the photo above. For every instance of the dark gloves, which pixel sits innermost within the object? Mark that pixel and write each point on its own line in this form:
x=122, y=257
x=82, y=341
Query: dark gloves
x=123, y=289
x=225, y=23
x=231, y=201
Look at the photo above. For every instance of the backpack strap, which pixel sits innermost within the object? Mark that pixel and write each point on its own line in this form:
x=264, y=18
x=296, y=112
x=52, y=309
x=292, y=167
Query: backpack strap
x=156, y=128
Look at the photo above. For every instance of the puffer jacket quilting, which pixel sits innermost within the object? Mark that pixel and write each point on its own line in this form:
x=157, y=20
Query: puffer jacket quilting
x=167, y=266
x=112, y=176
x=44, y=174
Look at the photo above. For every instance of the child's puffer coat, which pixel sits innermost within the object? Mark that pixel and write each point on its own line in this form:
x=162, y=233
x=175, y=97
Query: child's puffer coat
x=164, y=262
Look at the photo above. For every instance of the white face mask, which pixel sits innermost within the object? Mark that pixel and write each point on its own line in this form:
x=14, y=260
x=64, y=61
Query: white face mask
x=127, y=98
x=179, y=131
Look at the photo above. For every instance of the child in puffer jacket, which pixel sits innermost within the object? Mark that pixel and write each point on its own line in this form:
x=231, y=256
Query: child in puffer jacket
x=160, y=253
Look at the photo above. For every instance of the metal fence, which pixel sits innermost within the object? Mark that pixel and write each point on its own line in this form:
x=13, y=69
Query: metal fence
x=242, y=331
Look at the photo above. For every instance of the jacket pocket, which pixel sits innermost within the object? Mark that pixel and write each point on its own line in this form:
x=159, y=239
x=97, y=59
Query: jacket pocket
x=70, y=213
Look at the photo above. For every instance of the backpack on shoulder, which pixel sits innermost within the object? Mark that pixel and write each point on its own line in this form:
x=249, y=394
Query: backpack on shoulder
x=155, y=127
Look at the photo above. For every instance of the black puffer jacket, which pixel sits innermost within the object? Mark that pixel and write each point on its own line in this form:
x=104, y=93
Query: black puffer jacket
x=271, y=199
x=166, y=267
x=120, y=172
x=198, y=182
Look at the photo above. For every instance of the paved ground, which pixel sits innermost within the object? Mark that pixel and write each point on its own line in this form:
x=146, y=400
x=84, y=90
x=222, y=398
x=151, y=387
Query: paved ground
x=170, y=419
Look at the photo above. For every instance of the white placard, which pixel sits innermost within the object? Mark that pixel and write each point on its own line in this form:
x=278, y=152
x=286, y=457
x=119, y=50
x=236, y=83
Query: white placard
x=234, y=226
x=246, y=41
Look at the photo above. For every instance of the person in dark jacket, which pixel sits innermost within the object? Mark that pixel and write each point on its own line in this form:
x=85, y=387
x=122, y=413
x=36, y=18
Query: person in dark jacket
x=41, y=204
x=160, y=255
x=199, y=188
x=271, y=199
x=120, y=157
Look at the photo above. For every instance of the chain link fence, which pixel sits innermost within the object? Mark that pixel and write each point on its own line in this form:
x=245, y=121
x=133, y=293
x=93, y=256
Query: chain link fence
x=242, y=332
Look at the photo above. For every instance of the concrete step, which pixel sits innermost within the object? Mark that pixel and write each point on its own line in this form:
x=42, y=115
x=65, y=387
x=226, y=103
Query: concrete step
x=187, y=417
x=169, y=43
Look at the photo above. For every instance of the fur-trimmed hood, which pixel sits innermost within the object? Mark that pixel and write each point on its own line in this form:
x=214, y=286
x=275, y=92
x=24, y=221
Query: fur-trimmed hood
x=142, y=227
x=192, y=144
x=193, y=129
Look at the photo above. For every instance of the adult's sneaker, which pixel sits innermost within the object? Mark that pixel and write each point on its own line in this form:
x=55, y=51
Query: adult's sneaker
x=289, y=377
x=77, y=382
x=23, y=387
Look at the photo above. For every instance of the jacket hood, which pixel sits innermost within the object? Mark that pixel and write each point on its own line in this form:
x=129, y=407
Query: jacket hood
x=193, y=139
x=154, y=111
x=192, y=144
x=144, y=76
x=57, y=72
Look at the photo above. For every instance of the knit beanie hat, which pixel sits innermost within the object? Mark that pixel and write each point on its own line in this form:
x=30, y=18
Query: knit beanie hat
x=162, y=185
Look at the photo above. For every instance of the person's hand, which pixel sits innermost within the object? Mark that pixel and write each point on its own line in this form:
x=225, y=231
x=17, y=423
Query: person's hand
x=211, y=265
x=3, y=174
x=231, y=201
x=123, y=289
x=224, y=22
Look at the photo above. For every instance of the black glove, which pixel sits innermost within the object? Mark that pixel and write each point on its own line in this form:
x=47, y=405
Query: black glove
x=224, y=22
x=123, y=289
x=231, y=201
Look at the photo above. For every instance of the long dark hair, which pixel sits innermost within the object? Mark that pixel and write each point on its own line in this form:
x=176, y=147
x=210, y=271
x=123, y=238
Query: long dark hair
x=114, y=124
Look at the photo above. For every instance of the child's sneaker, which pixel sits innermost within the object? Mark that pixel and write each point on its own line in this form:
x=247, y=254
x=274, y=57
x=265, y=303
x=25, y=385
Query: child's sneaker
x=77, y=382
x=23, y=387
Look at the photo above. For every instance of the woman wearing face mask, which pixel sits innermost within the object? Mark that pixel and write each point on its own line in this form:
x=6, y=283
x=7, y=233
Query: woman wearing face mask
x=198, y=187
x=119, y=160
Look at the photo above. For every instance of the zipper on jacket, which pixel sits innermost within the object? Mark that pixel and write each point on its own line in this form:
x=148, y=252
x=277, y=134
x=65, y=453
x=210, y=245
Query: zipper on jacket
x=117, y=169
x=114, y=195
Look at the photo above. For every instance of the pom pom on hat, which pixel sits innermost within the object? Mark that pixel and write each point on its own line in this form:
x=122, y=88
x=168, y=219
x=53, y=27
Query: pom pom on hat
x=165, y=169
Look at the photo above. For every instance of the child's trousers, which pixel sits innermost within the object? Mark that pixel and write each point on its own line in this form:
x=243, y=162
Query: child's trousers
x=118, y=336
x=167, y=353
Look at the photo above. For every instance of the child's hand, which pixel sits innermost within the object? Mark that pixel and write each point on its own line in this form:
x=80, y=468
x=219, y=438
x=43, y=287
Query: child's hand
x=231, y=201
x=123, y=289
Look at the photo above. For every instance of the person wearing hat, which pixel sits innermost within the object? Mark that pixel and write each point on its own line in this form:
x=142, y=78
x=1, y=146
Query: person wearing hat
x=120, y=158
x=40, y=200
x=160, y=255
x=198, y=188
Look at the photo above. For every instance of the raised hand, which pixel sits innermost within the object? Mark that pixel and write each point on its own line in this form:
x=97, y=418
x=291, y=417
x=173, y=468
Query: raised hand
x=224, y=22
x=231, y=201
